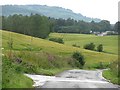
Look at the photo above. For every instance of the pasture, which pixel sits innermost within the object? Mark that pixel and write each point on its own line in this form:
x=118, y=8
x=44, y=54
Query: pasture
x=110, y=43
x=37, y=45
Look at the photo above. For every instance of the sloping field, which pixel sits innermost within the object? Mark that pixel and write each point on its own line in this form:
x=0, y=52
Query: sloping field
x=110, y=43
x=33, y=45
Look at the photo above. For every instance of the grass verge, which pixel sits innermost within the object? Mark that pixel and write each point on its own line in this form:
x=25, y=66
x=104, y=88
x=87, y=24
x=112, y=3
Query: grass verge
x=109, y=75
x=113, y=73
x=12, y=77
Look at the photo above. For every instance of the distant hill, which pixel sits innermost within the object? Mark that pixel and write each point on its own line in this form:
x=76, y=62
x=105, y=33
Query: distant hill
x=49, y=11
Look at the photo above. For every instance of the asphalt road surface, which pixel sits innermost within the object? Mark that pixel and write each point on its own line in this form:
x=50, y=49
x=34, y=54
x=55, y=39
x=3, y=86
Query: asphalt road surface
x=72, y=79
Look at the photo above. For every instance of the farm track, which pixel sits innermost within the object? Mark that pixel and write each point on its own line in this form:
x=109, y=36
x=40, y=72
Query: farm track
x=73, y=79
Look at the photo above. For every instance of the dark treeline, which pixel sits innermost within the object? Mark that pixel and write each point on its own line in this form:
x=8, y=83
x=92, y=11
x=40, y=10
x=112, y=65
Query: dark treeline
x=40, y=26
x=116, y=27
x=73, y=26
x=34, y=25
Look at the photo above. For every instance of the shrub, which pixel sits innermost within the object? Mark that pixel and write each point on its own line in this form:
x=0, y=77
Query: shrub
x=79, y=57
x=90, y=46
x=59, y=40
x=100, y=48
x=74, y=45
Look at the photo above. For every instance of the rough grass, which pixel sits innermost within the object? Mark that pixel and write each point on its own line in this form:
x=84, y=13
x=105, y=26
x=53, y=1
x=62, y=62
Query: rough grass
x=110, y=43
x=12, y=77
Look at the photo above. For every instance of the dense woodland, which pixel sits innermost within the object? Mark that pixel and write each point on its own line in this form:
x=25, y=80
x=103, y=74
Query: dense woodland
x=40, y=26
x=34, y=25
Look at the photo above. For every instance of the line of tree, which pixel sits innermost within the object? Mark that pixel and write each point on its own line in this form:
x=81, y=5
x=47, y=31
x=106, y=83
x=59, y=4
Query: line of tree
x=73, y=26
x=58, y=40
x=40, y=26
x=91, y=46
x=34, y=25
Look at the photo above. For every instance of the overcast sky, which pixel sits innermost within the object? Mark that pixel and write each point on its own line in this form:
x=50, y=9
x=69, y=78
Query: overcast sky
x=103, y=9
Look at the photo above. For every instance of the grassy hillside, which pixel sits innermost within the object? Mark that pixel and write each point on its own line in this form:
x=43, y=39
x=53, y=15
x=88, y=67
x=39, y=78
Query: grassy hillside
x=39, y=56
x=110, y=43
x=37, y=45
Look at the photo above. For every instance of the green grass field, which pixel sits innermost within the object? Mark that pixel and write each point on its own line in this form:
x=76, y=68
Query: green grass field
x=23, y=42
x=42, y=56
x=110, y=43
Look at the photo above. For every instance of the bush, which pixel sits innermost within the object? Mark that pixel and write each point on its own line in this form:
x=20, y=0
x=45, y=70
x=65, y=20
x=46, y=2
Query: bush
x=74, y=45
x=90, y=46
x=79, y=57
x=100, y=48
x=59, y=40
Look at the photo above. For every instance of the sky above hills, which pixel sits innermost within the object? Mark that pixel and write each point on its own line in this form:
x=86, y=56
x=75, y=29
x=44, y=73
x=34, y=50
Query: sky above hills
x=103, y=9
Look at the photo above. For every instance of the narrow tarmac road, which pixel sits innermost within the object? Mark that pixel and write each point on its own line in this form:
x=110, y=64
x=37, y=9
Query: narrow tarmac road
x=72, y=79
